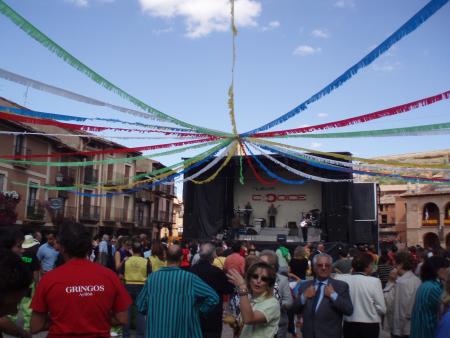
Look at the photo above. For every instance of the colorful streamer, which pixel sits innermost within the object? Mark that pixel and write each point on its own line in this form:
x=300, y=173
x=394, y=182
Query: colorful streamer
x=233, y=63
x=111, y=151
x=223, y=165
x=298, y=172
x=155, y=173
x=93, y=136
x=428, y=129
x=45, y=41
x=60, y=117
x=241, y=168
x=419, y=18
x=360, y=172
x=362, y=118
x=353, y=158
x=73, y=126
x=272, y=174
x=255, y=173
x=106, y=161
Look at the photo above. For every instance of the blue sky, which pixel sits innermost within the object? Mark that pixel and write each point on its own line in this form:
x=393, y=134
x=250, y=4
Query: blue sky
x=175, y=55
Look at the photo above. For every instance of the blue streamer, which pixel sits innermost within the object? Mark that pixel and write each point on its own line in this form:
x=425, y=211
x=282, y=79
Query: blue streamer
x=420, y=17
x=347, y=170
x=148, y=185
x=61, y=117
x=272, y=174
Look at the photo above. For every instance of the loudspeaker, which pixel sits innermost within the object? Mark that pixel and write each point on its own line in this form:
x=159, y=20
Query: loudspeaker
x=364, y=202
x=281, y=238
x=362, y=232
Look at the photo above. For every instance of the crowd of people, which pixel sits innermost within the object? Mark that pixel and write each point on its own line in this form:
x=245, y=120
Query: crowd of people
x=70, y=284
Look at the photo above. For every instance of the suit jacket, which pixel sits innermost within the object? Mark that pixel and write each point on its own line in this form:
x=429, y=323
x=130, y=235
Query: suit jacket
x=326, y=322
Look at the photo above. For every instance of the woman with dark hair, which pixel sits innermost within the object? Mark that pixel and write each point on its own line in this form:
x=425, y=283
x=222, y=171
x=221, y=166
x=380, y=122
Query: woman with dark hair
x=260, y=311
x=158, y=256
x=426, y=307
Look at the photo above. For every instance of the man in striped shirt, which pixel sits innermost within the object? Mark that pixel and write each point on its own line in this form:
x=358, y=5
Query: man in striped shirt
x=172, y=300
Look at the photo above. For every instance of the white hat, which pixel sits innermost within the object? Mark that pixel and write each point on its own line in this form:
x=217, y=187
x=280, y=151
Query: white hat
x=29, y=242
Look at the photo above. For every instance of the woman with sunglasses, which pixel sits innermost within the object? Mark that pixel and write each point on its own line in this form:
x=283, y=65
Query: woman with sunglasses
x=260, y=311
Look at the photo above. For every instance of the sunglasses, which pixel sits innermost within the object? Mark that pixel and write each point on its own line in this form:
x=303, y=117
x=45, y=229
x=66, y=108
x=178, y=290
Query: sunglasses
x=265, y=279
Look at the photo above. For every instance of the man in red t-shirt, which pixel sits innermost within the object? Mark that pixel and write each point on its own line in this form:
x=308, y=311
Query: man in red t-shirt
x=79, y=298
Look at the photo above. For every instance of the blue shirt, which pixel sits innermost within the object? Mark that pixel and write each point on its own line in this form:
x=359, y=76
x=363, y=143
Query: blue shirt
x=333, y=296
x=172, y=300
x=426, y=308
x=47, y=255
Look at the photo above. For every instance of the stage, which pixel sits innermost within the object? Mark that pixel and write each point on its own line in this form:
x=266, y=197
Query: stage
x=209, y=208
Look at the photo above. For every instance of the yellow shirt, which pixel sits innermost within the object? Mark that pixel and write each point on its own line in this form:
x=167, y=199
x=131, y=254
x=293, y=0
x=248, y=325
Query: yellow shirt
x=219, y=262
x=156, y=263
x=136, y=270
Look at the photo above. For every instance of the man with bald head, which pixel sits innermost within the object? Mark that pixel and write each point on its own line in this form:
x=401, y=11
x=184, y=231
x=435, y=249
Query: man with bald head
x=173, y=299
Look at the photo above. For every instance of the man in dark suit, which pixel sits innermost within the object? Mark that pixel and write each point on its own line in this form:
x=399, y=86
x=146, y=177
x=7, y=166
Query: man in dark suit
x=211, y=322
x=323, y=301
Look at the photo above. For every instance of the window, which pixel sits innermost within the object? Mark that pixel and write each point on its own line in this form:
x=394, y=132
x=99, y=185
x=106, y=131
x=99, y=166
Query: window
x=2, y=182
x=18, y=150
x=384, y=219
x=32, y=196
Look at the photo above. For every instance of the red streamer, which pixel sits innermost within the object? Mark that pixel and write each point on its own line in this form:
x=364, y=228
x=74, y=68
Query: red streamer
x=259, y=178
x=360, y=119
x=82, y=127
x=109, y=151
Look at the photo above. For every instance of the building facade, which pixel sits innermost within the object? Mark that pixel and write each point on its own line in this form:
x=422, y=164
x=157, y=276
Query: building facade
x=123, y=212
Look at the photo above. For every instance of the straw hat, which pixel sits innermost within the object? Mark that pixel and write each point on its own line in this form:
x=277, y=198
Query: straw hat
x=29, y=242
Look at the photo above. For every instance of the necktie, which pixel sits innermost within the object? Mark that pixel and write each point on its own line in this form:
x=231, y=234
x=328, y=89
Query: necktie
x=317, y=296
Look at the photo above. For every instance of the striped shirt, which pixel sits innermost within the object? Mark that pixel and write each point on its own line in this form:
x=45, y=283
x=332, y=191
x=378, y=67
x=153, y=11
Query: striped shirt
x=426, y=308
x=172, y=299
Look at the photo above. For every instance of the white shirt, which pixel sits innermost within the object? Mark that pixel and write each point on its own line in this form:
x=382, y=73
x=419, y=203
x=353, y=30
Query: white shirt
x=367, y=298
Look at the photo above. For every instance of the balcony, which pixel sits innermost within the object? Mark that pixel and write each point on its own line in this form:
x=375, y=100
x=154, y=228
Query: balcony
x=68, y=213
x=143, y=221
x=144, y=196
x=430, y=222
x=35, y=211
x=116, y=178
x=90, y=175
x=66, y=177
x=447, y=221
x=90, y=213
x=19, y=163
x=127, y=217
x=164, y=216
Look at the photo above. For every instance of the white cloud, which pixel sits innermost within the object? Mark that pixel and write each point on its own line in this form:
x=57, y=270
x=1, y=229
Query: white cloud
x=204, y=16
x=322, y=115
x=344, y=4
x=320, y=33
x=315, y=145
x=79, y=3
x=387, y=66
x=272, y=25
x=305, y=50
x=162, y=31
x=85, y=3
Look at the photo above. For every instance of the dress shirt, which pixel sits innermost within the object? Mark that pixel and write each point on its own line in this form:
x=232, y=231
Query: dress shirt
x=333, y=296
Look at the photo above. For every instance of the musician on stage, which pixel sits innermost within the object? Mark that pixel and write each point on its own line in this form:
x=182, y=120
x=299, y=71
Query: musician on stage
x=272, y=212
x=304, y=224
x=247, y=213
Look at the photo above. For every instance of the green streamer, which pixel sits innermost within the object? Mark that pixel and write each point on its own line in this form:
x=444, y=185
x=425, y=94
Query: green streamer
x=407, y=131
x=107, y=161
x=241, y=172
x=44, y=40
x=137, y=177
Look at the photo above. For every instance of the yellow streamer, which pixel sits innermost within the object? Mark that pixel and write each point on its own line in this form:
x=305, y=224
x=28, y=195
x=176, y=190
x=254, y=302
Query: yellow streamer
x=351, y=158
x=223, y=165
x=231, y=89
